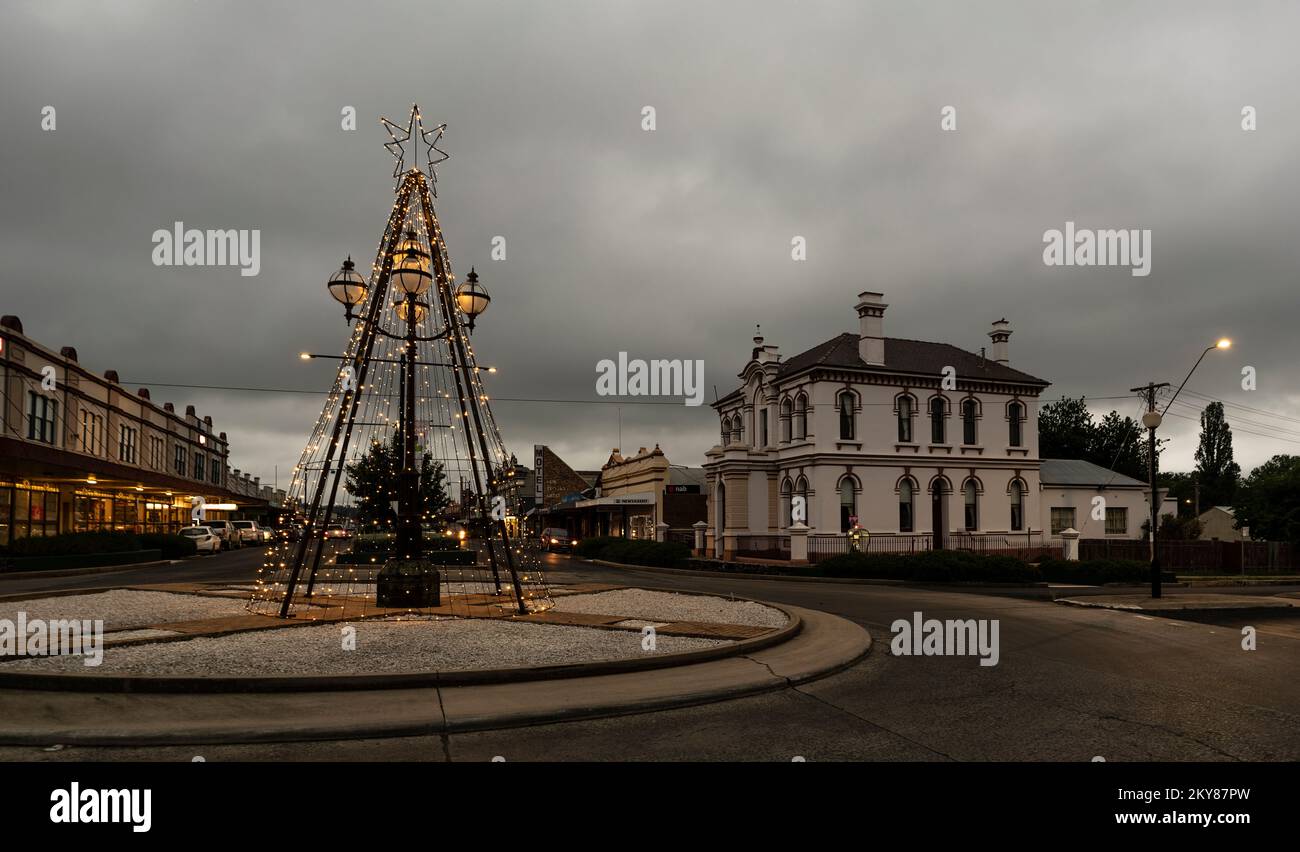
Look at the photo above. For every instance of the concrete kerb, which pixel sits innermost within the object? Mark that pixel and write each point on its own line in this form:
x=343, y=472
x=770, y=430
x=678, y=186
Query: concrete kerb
x=78, y=572
x=823, y=645
x=405, y=680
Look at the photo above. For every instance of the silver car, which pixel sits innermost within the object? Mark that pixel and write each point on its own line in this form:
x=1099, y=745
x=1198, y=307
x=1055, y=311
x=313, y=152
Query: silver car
x=248, y=531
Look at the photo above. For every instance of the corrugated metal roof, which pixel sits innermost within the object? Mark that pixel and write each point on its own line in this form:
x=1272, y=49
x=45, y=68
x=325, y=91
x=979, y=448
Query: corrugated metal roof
x=1080, y=472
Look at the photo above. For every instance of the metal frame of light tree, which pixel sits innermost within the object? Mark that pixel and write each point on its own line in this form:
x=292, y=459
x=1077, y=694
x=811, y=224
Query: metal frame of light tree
x=320, y=511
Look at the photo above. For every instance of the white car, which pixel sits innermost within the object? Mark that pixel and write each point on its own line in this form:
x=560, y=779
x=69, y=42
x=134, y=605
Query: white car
x=204, y=539
x=248, y=531
x=226, y=532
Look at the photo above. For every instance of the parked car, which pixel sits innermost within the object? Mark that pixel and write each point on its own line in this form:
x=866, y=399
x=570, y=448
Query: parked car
x=249, y=532
x=337, y=531
x=226, y=532
x=204, y=539
x=557, y=539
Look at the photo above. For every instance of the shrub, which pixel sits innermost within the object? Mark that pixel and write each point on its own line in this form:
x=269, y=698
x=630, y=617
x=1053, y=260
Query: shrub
x=70, y=544
x=1095, y=572
x=172, y=546
x=935, y=566
x=591, y=548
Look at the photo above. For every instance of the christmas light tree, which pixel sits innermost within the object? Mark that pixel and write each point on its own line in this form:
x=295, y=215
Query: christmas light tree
x=407, y=412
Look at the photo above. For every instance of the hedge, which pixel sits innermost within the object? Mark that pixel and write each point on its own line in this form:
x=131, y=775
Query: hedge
x=75, y=543
x=666, y=554
x=1095, y=572
x=942, y=566
x=86, y=543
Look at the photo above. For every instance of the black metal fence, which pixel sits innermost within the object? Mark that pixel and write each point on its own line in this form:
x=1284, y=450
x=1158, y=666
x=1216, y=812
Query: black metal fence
x=1028, y=546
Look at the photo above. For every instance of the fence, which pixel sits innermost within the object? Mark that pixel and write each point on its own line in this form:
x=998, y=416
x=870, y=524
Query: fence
x=763, y=546
x=1199, y=557
x=1028, y=546
x=686, y=537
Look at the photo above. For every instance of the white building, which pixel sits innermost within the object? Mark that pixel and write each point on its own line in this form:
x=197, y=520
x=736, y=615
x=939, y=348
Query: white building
x=894, y=435
x=1070, y=492
x=922, y=442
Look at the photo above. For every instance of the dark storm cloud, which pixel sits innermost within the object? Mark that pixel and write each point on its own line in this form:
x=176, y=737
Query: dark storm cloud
x=819, y=120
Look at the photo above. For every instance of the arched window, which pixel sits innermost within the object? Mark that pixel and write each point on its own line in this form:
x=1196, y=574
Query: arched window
x=848, y=503
x=801, y=491
x=845, y=404
x=1015, y=416
x=905, y=419
x=971, y=495
x=738, y=429
x=969, y=414
x=786, y=412
x=787, y=491
x=726, y=431
x=906, y=506
x=1017, y=505
x=938, y=420
x=801, y=417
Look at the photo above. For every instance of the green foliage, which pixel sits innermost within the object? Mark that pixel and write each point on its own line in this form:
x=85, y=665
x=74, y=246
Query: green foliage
x=1216, y=472
x=172, y=546
x=935, y=566
x=76, y=543
x=1268, y=501
x=1066, y=431
x=1095, y=572
x=634, y=551
x=373, y=481
x=1181, y=528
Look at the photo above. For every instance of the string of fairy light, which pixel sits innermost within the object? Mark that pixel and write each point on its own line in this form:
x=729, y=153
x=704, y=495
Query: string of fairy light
x=454, y=428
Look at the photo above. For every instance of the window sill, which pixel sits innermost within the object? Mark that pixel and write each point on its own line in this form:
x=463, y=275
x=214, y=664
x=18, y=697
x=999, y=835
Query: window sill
x=852, y=445
x=946, y=448
x=899, y=447
x=1017, y=451
x=971, y=448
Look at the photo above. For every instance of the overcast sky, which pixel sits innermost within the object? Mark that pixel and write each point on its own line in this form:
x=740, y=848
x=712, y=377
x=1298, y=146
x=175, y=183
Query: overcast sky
x=820, y=120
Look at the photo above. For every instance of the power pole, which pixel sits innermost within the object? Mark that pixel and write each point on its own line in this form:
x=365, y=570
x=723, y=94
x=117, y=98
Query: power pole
x=1152, y=420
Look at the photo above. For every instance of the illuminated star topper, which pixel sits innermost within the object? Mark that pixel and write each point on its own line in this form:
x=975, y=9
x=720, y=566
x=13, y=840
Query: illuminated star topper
x=397, y=145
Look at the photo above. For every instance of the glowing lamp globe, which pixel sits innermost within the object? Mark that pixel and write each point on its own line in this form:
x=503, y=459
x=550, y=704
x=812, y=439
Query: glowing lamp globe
x=472, y=298
x=421, y=311
x=412, y=247
x=411, y=276
x=348, y=287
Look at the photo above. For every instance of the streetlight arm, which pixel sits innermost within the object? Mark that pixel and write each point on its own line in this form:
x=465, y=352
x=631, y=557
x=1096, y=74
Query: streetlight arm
x=1207, y=351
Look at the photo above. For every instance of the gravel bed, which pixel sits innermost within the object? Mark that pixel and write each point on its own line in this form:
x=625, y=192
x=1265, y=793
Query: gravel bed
x=381, y=647
x=667, y=606
x=123, y=608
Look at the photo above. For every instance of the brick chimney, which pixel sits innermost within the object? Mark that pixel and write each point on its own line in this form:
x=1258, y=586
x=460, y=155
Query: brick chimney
x=1000, y=334
x=871, y=327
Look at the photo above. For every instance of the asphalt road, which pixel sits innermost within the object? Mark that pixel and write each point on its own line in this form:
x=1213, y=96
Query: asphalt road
x=1071, y=684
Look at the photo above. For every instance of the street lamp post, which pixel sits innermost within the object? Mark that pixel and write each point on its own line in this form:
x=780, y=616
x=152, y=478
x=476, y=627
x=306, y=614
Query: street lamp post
x=1152, y=420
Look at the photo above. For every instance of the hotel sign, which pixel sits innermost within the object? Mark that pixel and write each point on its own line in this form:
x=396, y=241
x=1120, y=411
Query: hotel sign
x=539, y=489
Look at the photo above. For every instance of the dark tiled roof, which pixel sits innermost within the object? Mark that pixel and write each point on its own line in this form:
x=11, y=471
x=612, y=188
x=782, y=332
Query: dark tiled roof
x=906, y=356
